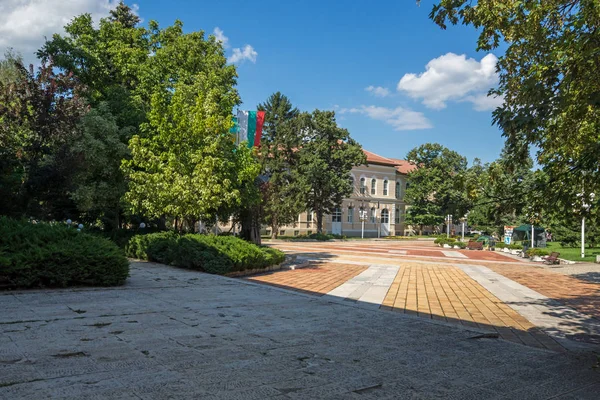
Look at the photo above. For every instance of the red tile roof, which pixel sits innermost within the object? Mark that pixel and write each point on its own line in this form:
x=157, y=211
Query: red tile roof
x=402, y=166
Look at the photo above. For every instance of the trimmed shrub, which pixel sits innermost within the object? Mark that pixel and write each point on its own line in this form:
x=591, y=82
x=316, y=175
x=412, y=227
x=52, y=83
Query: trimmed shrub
x=500, y=245
x=53, y=255
x=208, y=253
x=462, y=245
x=321, y=237
x=536, y=252
x=515, y=246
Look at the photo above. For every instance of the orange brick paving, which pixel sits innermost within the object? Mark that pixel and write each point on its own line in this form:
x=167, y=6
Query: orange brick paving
x=318, y=278
x=581, y=295
x=435, y=291
x=447, y=293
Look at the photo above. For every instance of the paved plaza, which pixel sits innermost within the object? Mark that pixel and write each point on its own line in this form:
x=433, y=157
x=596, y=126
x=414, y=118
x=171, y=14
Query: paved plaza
x=519, y=301
x=177, y=334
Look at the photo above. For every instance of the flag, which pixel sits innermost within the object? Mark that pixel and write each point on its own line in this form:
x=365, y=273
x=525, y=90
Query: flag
x=248, y=127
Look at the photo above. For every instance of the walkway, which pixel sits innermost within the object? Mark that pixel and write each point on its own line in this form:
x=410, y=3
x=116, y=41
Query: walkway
x=519, y=301
x=177, y=334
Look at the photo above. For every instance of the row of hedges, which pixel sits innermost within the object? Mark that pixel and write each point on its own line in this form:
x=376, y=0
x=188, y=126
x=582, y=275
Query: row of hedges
x=442, y=240
x=321, y=237
x=53, y=255
x=207, y=253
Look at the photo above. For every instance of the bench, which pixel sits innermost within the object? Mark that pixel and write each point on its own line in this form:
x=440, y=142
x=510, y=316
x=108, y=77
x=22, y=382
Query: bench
x=552, y=258
x=473, y=245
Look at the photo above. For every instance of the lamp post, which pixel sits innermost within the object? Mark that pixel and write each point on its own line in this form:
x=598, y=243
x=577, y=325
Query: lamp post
x=585, y=208
x=363, y=215
x=378, y=222
x=448, y=219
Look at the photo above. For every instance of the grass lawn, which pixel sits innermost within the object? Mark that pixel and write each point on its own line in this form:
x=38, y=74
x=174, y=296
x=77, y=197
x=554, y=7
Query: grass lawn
x=574, y=253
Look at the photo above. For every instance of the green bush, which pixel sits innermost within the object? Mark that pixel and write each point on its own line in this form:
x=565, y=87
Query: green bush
x=208, y=253
x=515, y=246
x=45, y=255
x=500, y=245
x=536, y=252
x=321, y=237
x=462, y=245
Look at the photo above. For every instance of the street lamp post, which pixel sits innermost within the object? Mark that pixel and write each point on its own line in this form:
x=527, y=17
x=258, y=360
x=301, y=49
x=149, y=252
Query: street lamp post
x=448, y=219
x=585, y=207
x=363, y=216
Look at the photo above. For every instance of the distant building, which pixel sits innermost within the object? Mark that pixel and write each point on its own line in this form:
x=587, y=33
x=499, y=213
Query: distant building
x=379, y=188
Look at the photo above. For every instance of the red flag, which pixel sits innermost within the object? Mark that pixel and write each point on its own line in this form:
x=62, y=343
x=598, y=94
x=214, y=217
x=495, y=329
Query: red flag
x=260, y=120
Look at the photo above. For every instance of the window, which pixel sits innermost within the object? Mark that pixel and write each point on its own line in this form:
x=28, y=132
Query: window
x=268, y=232
x=373, y=215
x=309, y=216
x=385, y=187
x=398, y=215
x=309, y=233
x=337, y=215
x=296, y=233
x=398, y=189
x=352, y=183
x=373, y=186
x=385, y=216
x=363, y=187
x=282, y=232
x=350, y=215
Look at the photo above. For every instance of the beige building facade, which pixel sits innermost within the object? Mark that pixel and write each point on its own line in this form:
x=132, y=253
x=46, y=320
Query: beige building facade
x=378, y=191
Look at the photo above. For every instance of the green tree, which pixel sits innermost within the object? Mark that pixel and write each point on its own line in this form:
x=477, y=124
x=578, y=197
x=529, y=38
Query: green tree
x=548, y=79
x=500, y=192
x=326, y=159
x=184, y=163
x=282, y=198
x=99, y=185
x=40, y=112
x=437, y=187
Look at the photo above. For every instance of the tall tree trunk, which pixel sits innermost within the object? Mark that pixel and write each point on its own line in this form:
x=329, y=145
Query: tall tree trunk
x=274, y=228
x=250, y=230
x=162, y=223
x=319, y=221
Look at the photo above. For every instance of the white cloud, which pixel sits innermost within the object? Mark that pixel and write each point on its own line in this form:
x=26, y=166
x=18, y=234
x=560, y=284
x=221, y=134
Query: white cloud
x=402, y=119
x=24, y=23
x=378, y=91
x=483, y=102
x=453, y=77
x=247, y=53
x=220, y=36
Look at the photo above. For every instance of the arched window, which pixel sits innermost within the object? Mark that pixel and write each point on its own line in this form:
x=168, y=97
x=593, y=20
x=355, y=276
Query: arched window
x=373, y=186
x=398, y=215
x=350, y=215
x=398, y=189
x=385, y=187
x=373, y=215
x=352, y=184
x=363, y=186
x=385, y=216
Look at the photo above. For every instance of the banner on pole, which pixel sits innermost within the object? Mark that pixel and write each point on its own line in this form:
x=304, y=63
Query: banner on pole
x=248, y=127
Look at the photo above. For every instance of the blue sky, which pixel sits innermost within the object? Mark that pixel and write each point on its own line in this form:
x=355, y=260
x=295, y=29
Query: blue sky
x=325, y=54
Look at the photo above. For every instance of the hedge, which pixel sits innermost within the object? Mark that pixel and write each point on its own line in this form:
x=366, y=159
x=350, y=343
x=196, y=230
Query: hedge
x=536, y=252
x=53, y=255
x=207, y=253
x=320, y=237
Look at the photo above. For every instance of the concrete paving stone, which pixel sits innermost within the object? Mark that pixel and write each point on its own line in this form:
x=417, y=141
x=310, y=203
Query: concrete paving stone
x=257, y=338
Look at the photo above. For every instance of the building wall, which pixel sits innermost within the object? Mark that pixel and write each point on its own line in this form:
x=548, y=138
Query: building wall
x=379, y=201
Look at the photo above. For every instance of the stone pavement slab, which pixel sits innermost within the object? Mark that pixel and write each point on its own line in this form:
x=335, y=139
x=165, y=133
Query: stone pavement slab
x=176, y=334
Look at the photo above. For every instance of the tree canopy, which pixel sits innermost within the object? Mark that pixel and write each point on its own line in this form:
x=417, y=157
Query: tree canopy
x=548, y=80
